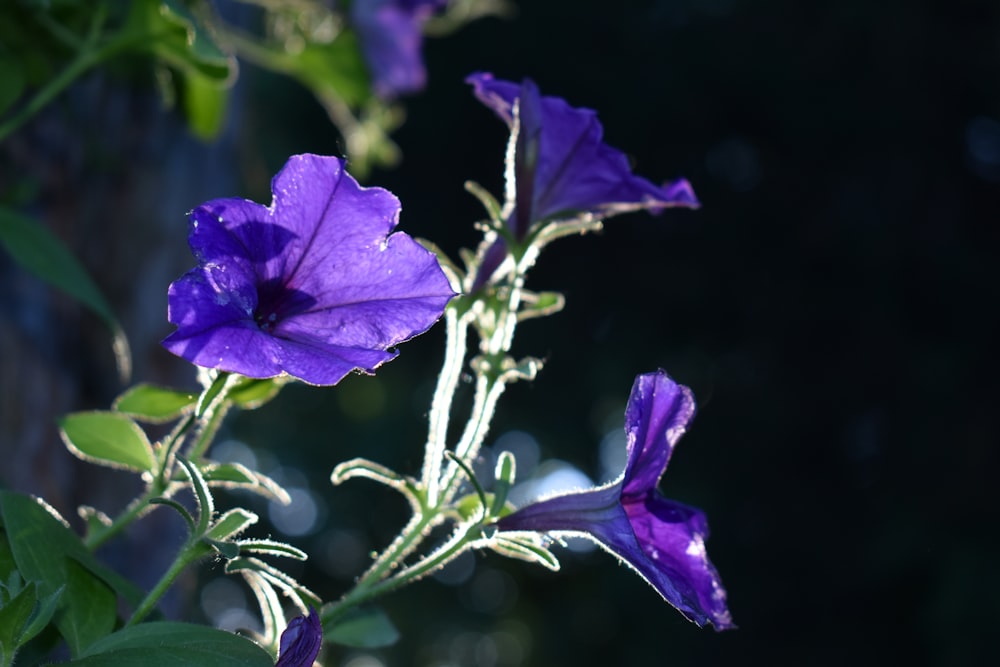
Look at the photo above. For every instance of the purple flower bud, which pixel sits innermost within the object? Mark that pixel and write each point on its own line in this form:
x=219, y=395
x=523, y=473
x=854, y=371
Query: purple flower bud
x=301, y=641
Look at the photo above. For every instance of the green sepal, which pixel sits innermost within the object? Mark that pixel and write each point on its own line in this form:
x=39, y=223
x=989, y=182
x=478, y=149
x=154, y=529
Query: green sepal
x=540, y=304
x=169, y=644
x=277, y=578
x=110, y=439
x=38, y=250
x=361, y=627
x=250, y=394
x=154, y=404
x=504, y=480
x=525, y=549
x=489, y=202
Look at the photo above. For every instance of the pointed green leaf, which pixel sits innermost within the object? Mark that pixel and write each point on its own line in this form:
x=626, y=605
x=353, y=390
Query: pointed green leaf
x=238, y=476
x=202, y=494
x=272, y=548
x=38, y=250
x=43, y=614
x=168, y=644
x=367, y=627
x=107, y=438
x=232, y=523
x=14, y=615
x=153, y=404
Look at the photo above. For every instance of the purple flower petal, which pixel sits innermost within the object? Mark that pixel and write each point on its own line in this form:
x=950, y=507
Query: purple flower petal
x=301, y=641
x=314, y=286
x=561, y=164
x=391, y=33
x=662, y=540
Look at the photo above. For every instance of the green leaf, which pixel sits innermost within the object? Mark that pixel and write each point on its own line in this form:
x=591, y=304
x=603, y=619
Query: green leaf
x=107, y=438
x=43, y=614
x=367, y=627
x=174, y=35
x=233, y=522
x=238, y=476
x=50, y=555
x=39, y=251
x=334, y=67
x=271, y=548
x=14, y=615
x=169, y=644
x=92, y=612
x=202, y=494
x=153, y=404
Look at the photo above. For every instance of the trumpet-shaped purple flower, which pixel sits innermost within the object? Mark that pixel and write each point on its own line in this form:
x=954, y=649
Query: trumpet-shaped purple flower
x=313, y=285
x=561, y=165
x=391, y=33
x=662, y=540
x=301, y=641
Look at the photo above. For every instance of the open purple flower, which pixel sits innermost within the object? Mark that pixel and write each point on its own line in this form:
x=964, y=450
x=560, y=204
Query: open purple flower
x=391, y=33
x=662, y=540
x=301, y=641
x=561, y=165
x=313, y=285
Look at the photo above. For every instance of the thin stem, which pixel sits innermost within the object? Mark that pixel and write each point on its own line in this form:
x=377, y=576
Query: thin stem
x=192, y=551
x=86, y=57
x=456, y=330
x=135, y=509
x=459, y=542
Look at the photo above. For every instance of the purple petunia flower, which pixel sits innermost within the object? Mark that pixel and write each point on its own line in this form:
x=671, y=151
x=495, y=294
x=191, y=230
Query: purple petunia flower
x=662, y=540
x=391, y=33
x=301, y=641
x=561, y=165
x=313, y=286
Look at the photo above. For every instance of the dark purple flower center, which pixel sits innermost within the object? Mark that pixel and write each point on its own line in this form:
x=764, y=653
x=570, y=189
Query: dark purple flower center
x=276, y=302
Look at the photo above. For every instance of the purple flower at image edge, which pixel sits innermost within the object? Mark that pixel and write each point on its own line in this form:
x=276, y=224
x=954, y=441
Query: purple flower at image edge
x=313, y=286
x=562, y=167
x=301, y=641
x=391, y=35
x=662, y=540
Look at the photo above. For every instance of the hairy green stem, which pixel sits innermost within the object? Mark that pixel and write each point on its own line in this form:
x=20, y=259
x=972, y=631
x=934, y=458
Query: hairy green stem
x=192, y=550
x=456, y=328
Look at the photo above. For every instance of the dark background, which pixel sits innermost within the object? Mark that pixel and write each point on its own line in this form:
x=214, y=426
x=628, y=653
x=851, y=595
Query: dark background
x=833, y=305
